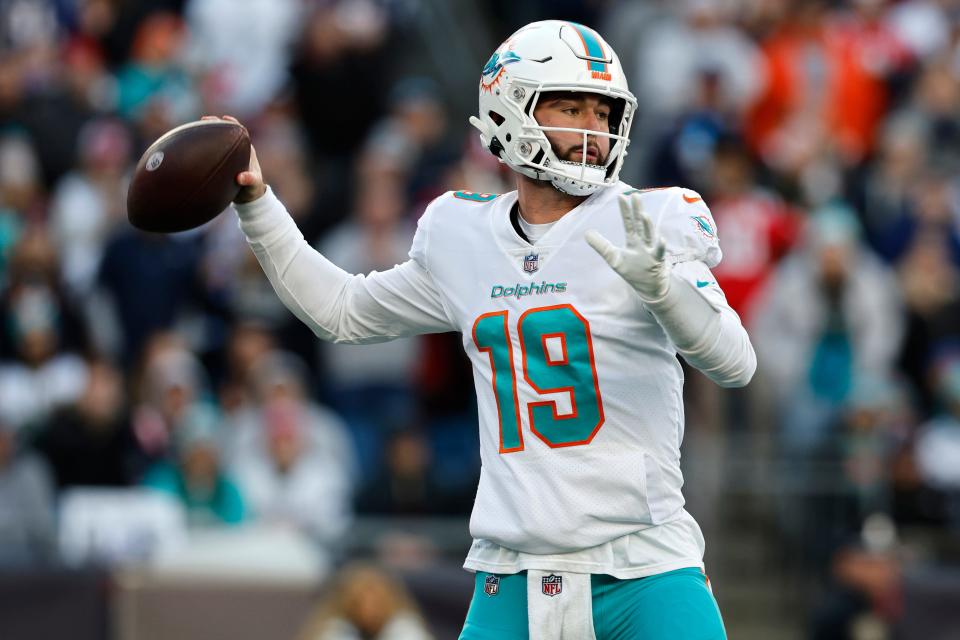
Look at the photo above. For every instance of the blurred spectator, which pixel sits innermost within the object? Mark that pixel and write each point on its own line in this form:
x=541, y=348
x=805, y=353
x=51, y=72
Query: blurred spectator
x=825, y=77
x=90, y=203
x=26, y=24
x=411, y=141
x=377, y=238
x=883, y=196
x=697, y=74
x=243, y=55
x=171, y=383
x=932, y=212
x=936, y=101
x=114, y=25
x=914, y=186
x=477, y=168
x=405, y=484
x=10, y=229
x=312, y=432
x=839, y=306
x=865, y=596
x=365, y=602
x=91, y=442
x=342, y=40
x=758, y=227
x=285, y=157
x=154, y=78
x=288, y=478
x=35, y=93
x=937, y=446
x=21, y=187
x=248, y=342
x=683, y=155
x=922, y=25
x=825, y=92
x=700, y=40
x=851, y=478
x=930, y=283
x=195, y=475
x=39, y=366
x=90, y=87
x=26, y=504
x=148, y=280
x=864, y=26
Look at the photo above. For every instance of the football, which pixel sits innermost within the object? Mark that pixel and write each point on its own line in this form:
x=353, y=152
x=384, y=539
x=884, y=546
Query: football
x=188, y=176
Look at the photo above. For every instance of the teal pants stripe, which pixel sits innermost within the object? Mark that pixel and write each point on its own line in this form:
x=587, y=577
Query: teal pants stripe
x=676, y=605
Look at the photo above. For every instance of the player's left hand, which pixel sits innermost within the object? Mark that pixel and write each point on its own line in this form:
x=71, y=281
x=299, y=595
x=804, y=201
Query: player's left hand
x=641, y=262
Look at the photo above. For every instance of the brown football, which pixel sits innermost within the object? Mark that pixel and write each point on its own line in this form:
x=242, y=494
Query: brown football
x=188, y=176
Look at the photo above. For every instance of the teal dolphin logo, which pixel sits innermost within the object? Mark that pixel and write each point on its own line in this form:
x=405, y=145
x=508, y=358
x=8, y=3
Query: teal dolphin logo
x=703, y=224
x=497, y=62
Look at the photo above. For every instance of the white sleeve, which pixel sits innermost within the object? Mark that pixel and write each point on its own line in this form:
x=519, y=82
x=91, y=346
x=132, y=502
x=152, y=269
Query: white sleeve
x=337, y=306
x=706, y=331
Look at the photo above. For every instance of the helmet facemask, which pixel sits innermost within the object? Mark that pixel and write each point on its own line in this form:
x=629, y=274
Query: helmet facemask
x=570, y=176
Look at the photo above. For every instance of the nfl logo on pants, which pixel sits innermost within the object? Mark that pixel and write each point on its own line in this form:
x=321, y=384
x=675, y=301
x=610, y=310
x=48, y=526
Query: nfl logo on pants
x=491, y=585
x=552, y=585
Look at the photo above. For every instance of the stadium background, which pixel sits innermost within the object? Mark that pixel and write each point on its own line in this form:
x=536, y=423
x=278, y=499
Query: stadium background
x=152, y=386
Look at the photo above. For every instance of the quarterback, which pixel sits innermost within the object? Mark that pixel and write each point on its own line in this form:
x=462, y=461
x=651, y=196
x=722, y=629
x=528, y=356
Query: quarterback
x=574, y=294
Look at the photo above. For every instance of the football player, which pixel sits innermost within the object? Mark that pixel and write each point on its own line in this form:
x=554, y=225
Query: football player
x=573, y=295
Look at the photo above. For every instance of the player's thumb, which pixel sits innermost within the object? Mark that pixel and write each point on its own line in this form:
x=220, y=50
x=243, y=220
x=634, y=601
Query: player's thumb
x=601, y=245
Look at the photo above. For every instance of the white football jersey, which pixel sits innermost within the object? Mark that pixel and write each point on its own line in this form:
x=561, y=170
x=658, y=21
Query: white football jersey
x=578, y=387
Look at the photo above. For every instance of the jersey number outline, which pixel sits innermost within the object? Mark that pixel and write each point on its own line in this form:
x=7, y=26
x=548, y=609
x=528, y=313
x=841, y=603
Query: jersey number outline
x=474, y=197
x=573, y=371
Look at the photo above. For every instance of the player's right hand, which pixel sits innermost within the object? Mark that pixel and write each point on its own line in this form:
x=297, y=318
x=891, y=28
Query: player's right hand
x=642, y=261
x=250, y=181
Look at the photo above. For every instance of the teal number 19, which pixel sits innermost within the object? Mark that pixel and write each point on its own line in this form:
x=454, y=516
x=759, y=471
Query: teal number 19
x=556, y=356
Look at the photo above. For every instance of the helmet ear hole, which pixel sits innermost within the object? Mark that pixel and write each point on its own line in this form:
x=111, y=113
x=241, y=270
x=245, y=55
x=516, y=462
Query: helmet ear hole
x=617, y=109
x=496, y=117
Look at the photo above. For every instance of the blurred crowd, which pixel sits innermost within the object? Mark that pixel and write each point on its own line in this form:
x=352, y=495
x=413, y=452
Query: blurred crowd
x=825, y=136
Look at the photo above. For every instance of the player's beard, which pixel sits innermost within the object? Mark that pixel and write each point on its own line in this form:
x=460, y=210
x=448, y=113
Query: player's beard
x=569, y=155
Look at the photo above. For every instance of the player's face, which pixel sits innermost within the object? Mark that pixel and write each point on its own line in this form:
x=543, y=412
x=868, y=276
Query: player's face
x=576, y=111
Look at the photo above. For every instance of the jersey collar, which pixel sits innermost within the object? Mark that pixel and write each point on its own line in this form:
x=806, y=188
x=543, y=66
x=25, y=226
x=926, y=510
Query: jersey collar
x=515, y=247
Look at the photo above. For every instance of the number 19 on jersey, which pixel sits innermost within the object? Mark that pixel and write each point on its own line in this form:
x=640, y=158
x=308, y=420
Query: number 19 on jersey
x=556, y=356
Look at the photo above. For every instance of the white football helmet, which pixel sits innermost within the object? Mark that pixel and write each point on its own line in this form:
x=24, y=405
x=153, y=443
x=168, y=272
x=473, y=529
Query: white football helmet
x=552, y=55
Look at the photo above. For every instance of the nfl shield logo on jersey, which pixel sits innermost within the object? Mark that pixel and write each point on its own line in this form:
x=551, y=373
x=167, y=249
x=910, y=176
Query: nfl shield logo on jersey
x=491, y=585
x=531, y=262
x=552, y=585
